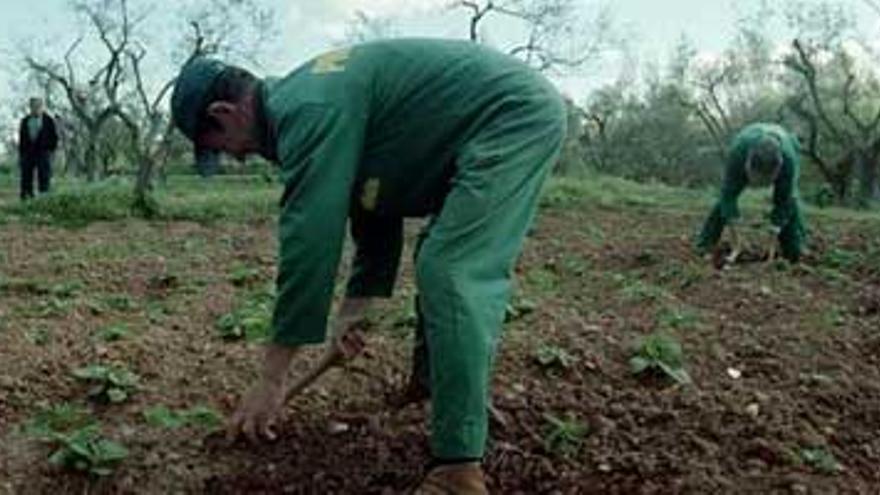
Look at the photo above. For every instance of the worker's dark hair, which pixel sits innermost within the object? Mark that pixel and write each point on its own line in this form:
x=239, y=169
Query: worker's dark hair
x=765, y=158
x=230, y=86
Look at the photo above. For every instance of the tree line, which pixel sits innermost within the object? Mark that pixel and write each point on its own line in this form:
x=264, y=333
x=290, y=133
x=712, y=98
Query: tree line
x=801, y=63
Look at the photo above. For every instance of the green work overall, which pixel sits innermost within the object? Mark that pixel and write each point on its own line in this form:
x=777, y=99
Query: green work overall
x=409, y=128
x=786, y=213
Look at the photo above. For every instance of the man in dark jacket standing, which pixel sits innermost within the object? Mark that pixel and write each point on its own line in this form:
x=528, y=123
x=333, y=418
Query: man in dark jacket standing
x=37, y=140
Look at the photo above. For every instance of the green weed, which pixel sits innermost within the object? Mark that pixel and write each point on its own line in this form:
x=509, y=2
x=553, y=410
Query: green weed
x=821, y=460
x=199, y=416
x=553, y=358
x=113, y=333
x=39, y=336
x=57, y=418
x=86, y=450
x=518, y=308
x=563, y=436
x=638, y=291
x=251, y=320
x=109, y=384
x=119, y=302
x=243, y=275
x=677, y=318
x=660, y=353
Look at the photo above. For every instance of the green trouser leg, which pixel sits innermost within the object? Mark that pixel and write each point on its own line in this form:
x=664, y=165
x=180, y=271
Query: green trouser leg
x=712, y=230
x=465, y=263
x=792, y=236
x=420, y=361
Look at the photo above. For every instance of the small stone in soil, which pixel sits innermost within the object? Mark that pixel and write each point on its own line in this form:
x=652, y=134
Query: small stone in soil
x=337, y=428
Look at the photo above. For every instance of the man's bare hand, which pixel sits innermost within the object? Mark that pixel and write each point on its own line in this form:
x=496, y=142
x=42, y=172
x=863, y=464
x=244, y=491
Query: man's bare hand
x=258, y=411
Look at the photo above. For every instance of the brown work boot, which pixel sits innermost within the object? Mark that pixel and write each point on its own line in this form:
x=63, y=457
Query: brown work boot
x=454, y=479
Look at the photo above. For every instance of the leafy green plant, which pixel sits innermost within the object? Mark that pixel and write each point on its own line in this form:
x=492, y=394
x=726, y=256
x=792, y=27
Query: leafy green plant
x=200, y=416
x=660, y=353
x=86, y=450
x=554, y=358
x=114, y=332
x=109, y=384
x=821, y=460
x=563, y=436
x=518, y=308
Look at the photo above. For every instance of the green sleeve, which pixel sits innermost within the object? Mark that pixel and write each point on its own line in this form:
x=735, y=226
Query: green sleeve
x=378, y=241
x=319, y=151
x=784, y=197
x=726, y=208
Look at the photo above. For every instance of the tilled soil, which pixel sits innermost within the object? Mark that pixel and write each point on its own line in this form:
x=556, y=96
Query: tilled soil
x=784, y=361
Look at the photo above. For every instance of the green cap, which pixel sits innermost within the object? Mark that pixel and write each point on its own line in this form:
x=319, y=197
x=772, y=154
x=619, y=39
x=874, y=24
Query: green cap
x=189, y=99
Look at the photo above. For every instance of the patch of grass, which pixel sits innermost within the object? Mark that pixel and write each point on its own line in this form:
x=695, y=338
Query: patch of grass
x=38, y=336
x=251, y=319
x=660, y=353
x=57, y=418
x=563, y=436
x=677, y=318
x=635, y=290
x=23, y=286
x=50, y=307
x=681, y=276
x=243, y=275
x=113, y=332
x=66, y=290
x=78, y=204
x=841, y=259
x=821, y=460
x=834, y=317
x=119, y=302
x=200, y=416
x=110, y=384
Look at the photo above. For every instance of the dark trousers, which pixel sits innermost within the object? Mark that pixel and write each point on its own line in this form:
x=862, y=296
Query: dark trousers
x=41, y=165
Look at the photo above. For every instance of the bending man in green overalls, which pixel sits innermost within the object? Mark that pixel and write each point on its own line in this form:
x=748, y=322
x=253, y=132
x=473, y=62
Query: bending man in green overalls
x=760, y=155
x=373, y=134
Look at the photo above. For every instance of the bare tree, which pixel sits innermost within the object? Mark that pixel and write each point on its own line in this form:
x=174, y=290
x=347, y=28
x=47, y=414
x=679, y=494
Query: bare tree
x=555, y=38
x=839, y=114
x=364, y=27
x=123, y=90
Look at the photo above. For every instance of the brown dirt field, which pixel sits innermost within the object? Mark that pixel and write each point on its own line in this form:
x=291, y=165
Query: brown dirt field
x=805, y=339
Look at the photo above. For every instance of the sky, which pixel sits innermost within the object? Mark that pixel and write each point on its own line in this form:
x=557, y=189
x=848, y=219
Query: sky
x=307, y=27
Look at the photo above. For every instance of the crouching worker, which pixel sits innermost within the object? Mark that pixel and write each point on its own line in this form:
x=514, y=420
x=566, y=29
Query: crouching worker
x=370, y=135
x=760, y=155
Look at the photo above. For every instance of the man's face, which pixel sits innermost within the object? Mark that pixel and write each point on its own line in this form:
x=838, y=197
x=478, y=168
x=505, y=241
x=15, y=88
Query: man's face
x=36, y=106
x=231, y=132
